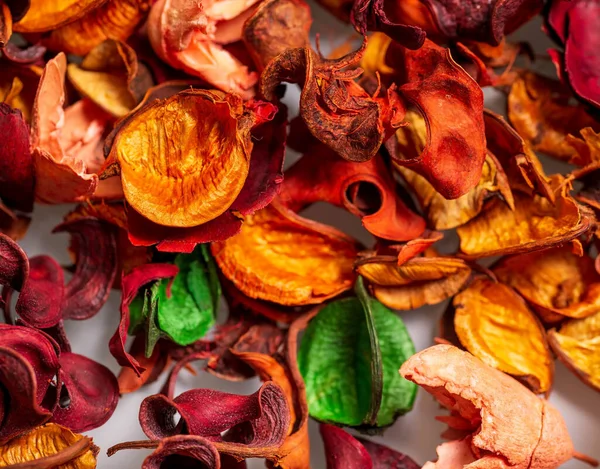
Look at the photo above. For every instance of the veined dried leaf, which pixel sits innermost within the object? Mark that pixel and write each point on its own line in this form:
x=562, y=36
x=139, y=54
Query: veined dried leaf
x=196, y=180
x=506, y=424
x=417, y=282
x=112, y=77
x=577, y=345
x=535, y=223
x=494, y=324
x=540, y=110
x=556, y=282
x=50, y=445
x=113, y=19
x=444, y=214
x=281, y=257
x=46, y=15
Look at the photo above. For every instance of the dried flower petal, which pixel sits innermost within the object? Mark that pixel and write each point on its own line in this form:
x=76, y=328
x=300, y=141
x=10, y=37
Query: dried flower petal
x=173, y=452
x=417, y=282
x=45, y=16
x=113, y=19
x=364, y=189
x=509, y=425
x=50, y=445
x=577, y=345
x=281, y=257
x=444, y=214
x=92, y=391
x=555, y=282
x=494, y=324
x=196, y=193
x=540, y=110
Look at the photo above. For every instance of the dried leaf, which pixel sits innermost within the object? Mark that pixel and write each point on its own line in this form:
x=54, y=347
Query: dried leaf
x=45, y=16
x=444, y=214
x=577, y=345
x=366, y=190
x=507, y=424
x=555, y=282
x=113, y=19
x=494, y=324
x=50, y=445
x=348, y=358
x=417, y=282
x=535, y=224
x=281, y=257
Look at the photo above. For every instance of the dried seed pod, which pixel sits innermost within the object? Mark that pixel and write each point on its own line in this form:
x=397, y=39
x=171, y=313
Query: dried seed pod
x=494, y=323
x=577, y=345
x=557, y=283
x=281, y=257
x=507, y=425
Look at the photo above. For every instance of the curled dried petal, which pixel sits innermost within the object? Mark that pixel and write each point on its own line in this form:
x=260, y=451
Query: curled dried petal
x=555, y=282
x=45, y=16
x=171, y=452
x=417, y=282
x=509, y=426
x=281, y=257
x=494, y=323
x=577, y=345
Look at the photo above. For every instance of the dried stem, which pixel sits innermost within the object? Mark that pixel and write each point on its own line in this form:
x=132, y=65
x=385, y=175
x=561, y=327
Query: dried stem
x=585, y=458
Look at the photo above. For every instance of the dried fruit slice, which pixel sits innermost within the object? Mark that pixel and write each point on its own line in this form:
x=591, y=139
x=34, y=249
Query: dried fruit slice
x=417, y=282
x=281, y=257
x=556, y=282
x=184, y=160
x=494, y=324
x=577, y=345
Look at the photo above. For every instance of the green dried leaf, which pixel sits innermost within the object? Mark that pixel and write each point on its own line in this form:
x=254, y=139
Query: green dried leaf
x=349, y=358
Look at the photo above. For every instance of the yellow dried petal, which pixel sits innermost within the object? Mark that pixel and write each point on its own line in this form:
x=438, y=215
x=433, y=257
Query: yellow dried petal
x=494, y=324
x=419, y=281
x=281, y=257
x=184, y=160
x=63, y=448
x=45, y=15
x=373, y=60
x=444, y=214
x=577, y=344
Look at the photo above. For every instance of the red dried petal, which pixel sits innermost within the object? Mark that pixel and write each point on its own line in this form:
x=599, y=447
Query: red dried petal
x=177, y=451
x=342, y=450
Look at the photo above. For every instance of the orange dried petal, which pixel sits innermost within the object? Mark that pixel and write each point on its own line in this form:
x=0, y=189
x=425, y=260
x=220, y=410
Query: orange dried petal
x=45, y=15
x=184, y=160
x=556, y=282
x=494, y=323
x=417, y=282
x=281, y=257
x=113, y=19
x=444, y=214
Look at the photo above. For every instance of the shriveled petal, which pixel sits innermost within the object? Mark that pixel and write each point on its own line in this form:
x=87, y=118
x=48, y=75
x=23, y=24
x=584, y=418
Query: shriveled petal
x=45, y=16
x=174, y=451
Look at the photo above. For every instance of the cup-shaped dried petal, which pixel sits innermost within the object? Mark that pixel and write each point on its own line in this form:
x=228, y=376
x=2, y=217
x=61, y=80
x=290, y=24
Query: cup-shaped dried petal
x=114, y=19
x=191, y=450
x=50, y=445
x=364, y=189
x=45, y=16
x=417, y=282
x=281, y=257
x=184, y=160
x=535, y=223
x=555, y=282
x=494, y=323
x=444, y=214
x=540, y=110
x=577, y=345
x=509, y=425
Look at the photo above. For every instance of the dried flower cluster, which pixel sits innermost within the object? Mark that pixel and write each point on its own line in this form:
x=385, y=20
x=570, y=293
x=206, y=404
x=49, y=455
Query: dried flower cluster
x=164, y=122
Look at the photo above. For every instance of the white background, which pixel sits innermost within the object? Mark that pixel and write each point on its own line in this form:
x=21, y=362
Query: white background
x=416, y=434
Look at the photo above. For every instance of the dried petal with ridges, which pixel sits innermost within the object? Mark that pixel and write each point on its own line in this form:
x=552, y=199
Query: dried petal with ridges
x=556, y=282
x=276, y=249
x=50, y=445
x=175, y=451
x=577, y=345
x=509, y=426
x=494, y=324
x=45, y=16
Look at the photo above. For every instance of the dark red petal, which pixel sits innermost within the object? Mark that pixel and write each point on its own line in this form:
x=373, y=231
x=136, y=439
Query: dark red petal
x=96, y=252
x=41, y=299
x=92, y=390
x=14, y=266
x=183, y=452
x=130, y=284
x=16, y=164
x=342, y=450
x=386, y=458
